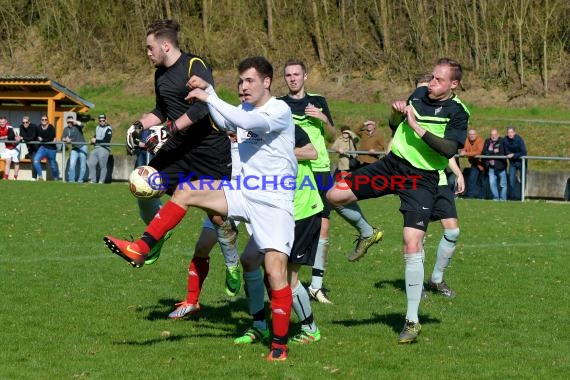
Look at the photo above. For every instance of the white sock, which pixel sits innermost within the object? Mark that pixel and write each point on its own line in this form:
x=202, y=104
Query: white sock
x=414, y=277
x=445, y=250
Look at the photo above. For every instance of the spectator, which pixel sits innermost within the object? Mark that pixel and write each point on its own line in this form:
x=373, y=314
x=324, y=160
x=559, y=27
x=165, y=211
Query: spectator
x=474, y=147
x=29, y=133
x=11, y=152
x=496, y=168
x=514, y=149
x=372, y=141
x=47, y=149
x=100, y=155
x=73, y=134
x=345, y=142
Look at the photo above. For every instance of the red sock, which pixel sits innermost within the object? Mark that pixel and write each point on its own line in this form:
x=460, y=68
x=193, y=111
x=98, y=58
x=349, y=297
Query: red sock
x=197, y=273
x=281, y=301
x=166, y=219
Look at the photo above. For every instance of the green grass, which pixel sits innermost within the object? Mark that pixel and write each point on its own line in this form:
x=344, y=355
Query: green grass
x=72, y=310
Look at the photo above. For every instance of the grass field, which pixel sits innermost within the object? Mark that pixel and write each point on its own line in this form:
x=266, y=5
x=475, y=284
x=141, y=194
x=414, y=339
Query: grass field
x=72, y=310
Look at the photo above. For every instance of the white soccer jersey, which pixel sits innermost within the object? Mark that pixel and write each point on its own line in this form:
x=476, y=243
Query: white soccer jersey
x=236, y=163
x=266, y=141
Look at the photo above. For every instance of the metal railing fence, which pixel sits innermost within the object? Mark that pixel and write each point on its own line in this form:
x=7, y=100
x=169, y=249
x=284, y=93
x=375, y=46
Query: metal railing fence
x=524, y=159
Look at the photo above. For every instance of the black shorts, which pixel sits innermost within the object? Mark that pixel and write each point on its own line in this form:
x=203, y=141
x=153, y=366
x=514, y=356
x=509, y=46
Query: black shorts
x=394, y=175
x=444, y=204
x=324, y=181
x=185, y=160
x=307, y=232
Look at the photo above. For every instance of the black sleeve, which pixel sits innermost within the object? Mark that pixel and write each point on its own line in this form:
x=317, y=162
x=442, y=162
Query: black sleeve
x=159, y=102
x=485, y=151
x=301, y=137
x=107, y=138
x=108, y=135
x=11, y=134
x=456, y=129
x=50, y=133
x=442, y=145
x=197, y=66
x=34, y=133
x=326, y=111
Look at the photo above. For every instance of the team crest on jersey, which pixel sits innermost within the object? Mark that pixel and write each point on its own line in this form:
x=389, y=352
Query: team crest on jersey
x=437, y=110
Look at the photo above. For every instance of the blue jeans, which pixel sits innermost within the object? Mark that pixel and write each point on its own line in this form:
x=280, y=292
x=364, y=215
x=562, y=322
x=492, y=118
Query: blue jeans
x=143, y=158
x=499, y=193
x=42, y=153
x=475, y=183
x=514, y=186
x=81, y=154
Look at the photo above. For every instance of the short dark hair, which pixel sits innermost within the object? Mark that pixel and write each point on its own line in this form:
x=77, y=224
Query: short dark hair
x=456, y=71
x=261, y=64
x=295, y=62
x=165, y=29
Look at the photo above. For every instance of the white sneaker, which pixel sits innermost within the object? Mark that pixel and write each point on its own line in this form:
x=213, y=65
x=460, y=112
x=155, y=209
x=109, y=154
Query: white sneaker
x=184, y=308
x=319, y=295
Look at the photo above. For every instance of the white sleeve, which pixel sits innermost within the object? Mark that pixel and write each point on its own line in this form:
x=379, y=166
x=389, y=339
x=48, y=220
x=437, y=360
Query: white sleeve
x=251, y=121
x=219, y=120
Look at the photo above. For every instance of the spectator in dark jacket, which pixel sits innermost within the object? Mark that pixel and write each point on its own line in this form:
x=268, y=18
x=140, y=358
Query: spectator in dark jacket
x=29, y=133
x=47, y=149
x=514, y=150
x=73, y=133
x=496, y=167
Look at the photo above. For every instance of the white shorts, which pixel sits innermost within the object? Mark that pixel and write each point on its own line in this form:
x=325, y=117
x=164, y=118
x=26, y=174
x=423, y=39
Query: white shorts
x=272, y=224
x=13, y=154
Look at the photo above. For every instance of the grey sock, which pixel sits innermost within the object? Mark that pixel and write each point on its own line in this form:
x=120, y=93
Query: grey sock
x=353, y=215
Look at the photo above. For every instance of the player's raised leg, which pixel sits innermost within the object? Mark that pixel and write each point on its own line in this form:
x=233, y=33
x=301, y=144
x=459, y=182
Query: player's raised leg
x=211, y=200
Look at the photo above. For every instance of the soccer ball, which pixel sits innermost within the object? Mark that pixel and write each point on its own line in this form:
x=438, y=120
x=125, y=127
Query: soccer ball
x=146, y=182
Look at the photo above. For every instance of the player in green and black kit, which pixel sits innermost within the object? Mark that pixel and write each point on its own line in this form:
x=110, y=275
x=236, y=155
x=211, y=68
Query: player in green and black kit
x=311, y=113
x=430, y=127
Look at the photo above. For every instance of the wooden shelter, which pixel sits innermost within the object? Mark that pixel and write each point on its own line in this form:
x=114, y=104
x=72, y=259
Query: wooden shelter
x=37, y=95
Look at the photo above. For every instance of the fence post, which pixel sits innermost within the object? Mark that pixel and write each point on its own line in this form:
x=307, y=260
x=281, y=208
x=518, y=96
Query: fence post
x=523, y=178
x=63, y=168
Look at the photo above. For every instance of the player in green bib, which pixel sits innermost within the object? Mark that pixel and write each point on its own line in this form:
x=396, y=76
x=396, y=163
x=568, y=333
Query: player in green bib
x=311, y=113
x=430, y=126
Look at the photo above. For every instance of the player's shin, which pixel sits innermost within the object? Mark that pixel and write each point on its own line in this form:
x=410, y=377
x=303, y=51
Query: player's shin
x=166, y=219
x=414, y=277
x=281, y=301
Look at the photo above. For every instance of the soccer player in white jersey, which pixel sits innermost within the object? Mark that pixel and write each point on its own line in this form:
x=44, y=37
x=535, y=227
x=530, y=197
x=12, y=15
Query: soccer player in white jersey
x=266, y=145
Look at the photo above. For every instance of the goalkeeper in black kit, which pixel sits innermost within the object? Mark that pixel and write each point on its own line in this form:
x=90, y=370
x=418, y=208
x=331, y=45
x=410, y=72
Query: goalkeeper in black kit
x=190, y=146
